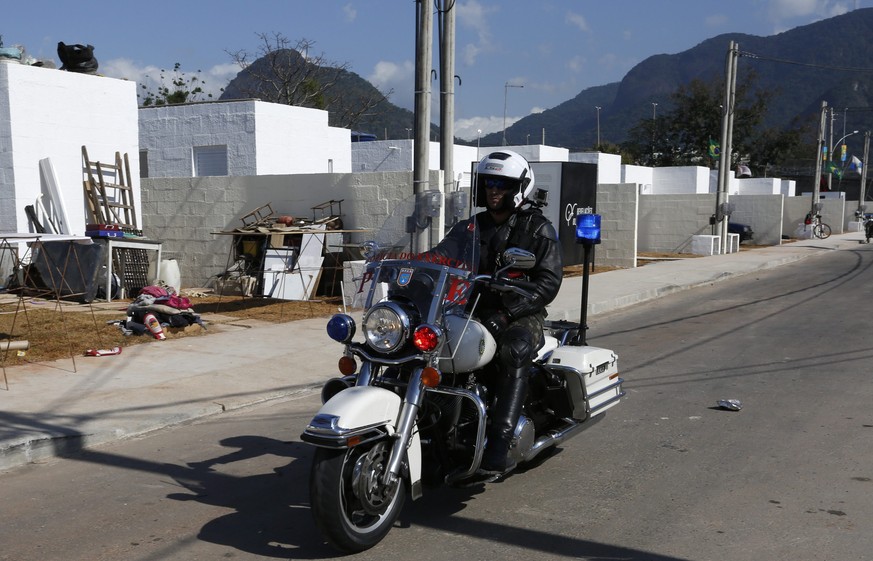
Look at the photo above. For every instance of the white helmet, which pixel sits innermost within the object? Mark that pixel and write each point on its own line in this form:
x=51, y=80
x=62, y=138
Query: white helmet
x=508, y=170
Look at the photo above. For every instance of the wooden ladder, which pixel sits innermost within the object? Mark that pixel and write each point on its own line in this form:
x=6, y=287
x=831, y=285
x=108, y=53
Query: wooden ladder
x=109, y=192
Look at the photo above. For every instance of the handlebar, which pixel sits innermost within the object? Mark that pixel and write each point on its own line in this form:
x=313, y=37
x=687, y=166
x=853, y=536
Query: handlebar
x=521, y=287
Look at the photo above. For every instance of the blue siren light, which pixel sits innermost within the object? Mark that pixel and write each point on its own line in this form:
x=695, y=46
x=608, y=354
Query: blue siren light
x=341, y=328
x=588, y=228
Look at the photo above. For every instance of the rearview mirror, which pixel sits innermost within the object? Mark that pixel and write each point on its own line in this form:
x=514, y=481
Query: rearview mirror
x=516, y=258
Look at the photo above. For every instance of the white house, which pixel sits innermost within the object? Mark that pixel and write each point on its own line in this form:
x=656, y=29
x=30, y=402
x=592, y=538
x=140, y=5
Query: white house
x=50, y=114
x=240, y=138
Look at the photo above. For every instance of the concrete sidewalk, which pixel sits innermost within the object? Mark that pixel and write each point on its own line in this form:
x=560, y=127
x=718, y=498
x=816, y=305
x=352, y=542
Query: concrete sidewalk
x=57, y=408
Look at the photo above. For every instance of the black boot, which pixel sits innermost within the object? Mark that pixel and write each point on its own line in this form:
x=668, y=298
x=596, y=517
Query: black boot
x=504, y=418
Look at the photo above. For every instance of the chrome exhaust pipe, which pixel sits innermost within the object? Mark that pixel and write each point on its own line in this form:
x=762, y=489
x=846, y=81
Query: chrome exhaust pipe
x=556, y=437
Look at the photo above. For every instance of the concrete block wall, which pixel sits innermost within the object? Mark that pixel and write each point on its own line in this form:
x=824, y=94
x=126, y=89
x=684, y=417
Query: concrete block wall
x=618, y=206
x=833, y=213
x=763, y=213
x=667, y=222
x=261, y=138
x=186, y=213
x=48, y=113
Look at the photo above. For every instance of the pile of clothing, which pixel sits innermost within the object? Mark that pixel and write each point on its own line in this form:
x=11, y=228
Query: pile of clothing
x=154, y=309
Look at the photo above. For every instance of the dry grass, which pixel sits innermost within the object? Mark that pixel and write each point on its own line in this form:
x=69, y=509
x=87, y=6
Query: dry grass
x=60, y=329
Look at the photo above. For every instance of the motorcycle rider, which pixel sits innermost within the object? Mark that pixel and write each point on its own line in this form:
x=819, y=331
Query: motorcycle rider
x=503, y=183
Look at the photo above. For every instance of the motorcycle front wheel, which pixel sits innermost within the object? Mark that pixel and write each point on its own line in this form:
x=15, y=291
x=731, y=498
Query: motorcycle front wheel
x=352, y=508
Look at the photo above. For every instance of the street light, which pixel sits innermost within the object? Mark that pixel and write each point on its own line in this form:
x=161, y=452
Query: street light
x=408, y=130
x=837, y=143
x=654, y=108
x=598, y=125
x=831, y=155
x=506, y=87
x=478, y=137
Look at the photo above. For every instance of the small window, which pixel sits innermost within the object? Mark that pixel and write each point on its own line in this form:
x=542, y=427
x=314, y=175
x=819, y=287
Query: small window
x=210, y=160
x=143, y=163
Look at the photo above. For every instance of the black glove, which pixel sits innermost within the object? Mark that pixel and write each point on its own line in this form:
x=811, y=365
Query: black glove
x=496, y=323
x=520, y=306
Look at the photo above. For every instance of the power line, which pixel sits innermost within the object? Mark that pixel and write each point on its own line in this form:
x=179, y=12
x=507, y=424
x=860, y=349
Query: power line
x=809, y=64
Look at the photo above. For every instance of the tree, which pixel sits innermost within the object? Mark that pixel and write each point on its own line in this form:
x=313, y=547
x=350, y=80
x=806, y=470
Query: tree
x=683, y=135
x=289, y=75
x=183, y=88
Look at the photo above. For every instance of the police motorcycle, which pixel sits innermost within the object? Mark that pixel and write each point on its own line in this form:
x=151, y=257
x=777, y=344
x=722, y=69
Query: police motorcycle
x=411, y=409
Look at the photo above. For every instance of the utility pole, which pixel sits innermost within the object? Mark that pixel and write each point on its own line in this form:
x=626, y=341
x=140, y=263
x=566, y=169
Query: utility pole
x=423, y=62
x=830, y=146
x=506, y=87
x=598, y=125
x=724, y=161
x=447, y=94
x=862, y=192
x=813, y=208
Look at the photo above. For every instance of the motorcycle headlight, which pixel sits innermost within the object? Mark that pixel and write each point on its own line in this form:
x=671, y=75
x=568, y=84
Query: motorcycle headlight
x=386, y=327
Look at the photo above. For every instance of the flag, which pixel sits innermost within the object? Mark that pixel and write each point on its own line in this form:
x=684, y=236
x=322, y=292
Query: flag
x=714, y=149
x=835, y=170
x=856, y=164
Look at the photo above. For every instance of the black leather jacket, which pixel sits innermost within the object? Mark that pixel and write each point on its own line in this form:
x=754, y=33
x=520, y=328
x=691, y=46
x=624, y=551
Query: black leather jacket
x=526, y=229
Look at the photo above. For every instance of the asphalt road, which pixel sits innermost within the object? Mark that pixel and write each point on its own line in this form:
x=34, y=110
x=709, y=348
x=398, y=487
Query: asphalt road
x=666, y=476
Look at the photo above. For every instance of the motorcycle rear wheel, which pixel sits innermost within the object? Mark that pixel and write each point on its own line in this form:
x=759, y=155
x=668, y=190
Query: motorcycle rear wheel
x=352, y=508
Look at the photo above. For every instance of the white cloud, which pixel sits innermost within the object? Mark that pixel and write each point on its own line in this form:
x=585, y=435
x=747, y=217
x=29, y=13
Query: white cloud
x=468, y=128
x=475, y=15
x=577, y=20
x=577, y=63
x=781, y=12
x=350, y=12
x=715, y=20
x=148, y=78
x=400, y=77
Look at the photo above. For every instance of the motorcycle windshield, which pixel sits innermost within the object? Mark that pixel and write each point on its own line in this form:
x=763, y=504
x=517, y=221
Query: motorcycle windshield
x=435, y=281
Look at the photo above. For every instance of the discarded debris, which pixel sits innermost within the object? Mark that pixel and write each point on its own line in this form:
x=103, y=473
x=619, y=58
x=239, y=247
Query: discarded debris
x=730, y=404
x=103, y=352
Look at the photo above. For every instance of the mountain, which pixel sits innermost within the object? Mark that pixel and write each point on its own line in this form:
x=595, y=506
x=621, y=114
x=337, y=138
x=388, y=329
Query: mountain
x=830, y=60
x=351, y=101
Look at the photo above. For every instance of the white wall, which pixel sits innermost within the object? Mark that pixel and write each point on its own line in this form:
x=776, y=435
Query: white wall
x=733, y=185
x=681, y=180
x=533, y=152
x=760, y=186
x=641, y=175
x=261, y=138
x=296, y=140
x=48, y=113
x=608, y=165
x=398, y=155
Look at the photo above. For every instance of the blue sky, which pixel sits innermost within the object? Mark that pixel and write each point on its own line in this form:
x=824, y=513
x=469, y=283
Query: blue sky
x=553, y=48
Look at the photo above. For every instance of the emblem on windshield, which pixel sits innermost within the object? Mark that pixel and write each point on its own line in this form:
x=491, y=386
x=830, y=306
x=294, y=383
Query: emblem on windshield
x=405, y=276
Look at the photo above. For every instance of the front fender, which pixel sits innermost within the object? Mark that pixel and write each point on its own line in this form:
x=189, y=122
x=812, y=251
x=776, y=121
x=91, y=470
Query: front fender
x=358, y=415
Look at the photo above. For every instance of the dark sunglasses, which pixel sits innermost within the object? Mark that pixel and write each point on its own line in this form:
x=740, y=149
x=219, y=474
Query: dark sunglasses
x=502, y=184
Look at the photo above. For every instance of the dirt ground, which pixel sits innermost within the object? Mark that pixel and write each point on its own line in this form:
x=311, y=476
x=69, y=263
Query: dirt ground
x=58, y=329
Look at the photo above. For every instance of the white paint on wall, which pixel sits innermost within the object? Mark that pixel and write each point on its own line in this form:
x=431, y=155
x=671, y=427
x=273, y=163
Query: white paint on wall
x=48, y=113
x=261, y=138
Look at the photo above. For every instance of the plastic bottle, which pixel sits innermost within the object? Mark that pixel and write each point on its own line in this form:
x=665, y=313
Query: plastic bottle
x=154, y=326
